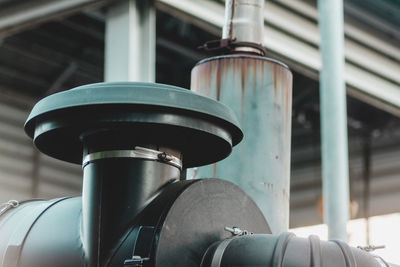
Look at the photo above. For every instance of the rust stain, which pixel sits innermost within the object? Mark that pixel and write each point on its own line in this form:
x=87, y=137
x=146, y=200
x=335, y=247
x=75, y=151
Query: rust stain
x=285, y=194
x=268, y=186
x=282, y=93
x=262, y=73
x=287, y=82
x=207, y=76
x=234, y=66
x=283, y=89
x=231, y=22
x=258, y=76
x=287, y=98
x=202, y=79
x=242, y=83
x=220, y=68
x=244, y=64
x=275, y=80
x=244, y=70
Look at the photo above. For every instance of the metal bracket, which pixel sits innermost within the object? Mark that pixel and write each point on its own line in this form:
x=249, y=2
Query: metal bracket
x=229, y=45
x=136, y=261
x=371, y=248
x=236, y=231
x=8, y=205
x=137, y=152
x=142, y=247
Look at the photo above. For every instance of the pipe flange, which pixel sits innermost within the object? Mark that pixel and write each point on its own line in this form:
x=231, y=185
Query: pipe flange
x=138, y=153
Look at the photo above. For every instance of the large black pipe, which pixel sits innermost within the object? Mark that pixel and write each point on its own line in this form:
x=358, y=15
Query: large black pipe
x=286, y=250
x=119, y=179
x=114, y=192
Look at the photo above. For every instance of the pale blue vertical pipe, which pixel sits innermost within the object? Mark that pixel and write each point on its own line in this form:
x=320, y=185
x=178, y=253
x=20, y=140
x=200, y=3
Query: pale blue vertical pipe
x=335, y=174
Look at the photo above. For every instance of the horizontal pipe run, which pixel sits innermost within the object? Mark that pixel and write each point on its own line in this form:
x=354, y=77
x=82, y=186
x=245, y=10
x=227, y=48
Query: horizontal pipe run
x=287, y=250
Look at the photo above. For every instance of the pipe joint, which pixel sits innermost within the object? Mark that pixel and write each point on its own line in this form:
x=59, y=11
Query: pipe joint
x=138, y=153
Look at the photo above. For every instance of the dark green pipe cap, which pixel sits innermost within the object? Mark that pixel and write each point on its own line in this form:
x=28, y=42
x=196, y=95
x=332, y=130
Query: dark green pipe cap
x=203, y=129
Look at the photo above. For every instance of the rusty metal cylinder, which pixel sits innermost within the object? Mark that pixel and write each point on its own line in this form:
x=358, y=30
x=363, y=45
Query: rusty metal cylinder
x=259, y=90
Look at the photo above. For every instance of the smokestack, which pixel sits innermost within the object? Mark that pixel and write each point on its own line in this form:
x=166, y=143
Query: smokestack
x=259, y=90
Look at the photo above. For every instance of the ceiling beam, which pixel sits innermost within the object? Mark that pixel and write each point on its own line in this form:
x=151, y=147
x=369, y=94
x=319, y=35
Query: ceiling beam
x=29, y=14
x=60, y=80
x=376, y=43
x=373, y=20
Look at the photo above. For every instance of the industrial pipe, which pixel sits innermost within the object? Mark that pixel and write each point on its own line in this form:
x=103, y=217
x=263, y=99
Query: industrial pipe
x=135, y=138
x=259, y=90
x=334, y=148
x=117, y=185
x=286, y=250
x=244, y=22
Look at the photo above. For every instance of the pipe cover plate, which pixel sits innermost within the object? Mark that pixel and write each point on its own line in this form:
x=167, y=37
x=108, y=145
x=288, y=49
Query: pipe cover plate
x=203, y=129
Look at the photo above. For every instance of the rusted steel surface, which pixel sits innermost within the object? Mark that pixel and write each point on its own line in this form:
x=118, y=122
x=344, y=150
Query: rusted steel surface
x=259, y=90
x=244, y=21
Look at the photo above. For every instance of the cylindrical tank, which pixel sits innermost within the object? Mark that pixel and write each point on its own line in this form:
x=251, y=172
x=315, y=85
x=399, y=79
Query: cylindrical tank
x=259, y=90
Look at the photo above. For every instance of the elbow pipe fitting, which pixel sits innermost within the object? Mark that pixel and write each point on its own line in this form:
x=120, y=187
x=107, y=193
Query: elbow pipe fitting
x=286, y=250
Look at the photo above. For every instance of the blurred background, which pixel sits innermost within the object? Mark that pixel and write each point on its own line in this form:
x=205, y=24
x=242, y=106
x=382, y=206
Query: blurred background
x=49, y=46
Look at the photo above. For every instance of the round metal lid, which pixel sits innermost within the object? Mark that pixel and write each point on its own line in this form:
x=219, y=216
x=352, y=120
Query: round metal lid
x=197, y=218
x=203, y=129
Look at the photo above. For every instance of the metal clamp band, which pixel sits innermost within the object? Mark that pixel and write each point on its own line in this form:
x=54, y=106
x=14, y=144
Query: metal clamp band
x=8, y=205
x=138, y=152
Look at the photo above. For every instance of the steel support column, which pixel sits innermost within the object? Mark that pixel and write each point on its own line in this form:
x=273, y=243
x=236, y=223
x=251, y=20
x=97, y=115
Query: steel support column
x=335, y=173
x=130, y=42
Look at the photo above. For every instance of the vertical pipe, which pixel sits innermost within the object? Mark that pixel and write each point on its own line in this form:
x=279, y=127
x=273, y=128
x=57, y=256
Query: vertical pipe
x=333, y=119
x=115, y=189
x=244, y=20
x=130, y=42
x=114, y=192
x=259, y=91
x=367, y=176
